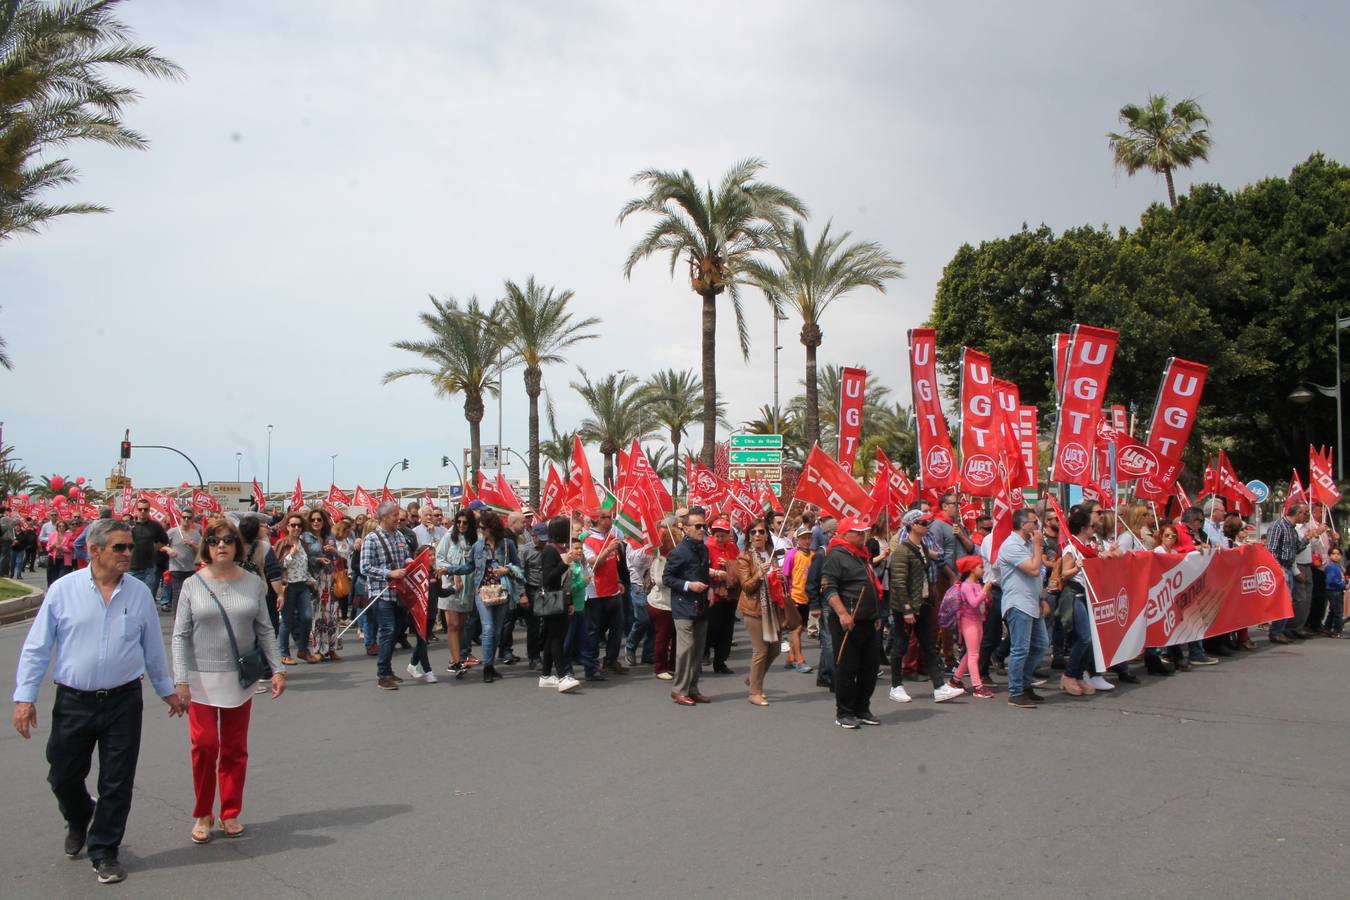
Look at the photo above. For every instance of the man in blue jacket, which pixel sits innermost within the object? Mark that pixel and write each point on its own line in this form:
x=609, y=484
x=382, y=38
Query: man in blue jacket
x=687, y=577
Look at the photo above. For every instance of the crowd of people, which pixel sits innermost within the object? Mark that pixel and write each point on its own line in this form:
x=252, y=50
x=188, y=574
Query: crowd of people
x=252, y=594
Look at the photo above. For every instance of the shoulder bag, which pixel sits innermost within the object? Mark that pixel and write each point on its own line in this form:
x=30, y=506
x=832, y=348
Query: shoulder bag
x=252, y=666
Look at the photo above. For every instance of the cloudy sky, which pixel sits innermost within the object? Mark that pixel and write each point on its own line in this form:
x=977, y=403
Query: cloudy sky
x=327, y=165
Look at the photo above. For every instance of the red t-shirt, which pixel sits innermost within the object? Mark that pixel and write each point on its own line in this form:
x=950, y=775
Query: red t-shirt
x=604, y=577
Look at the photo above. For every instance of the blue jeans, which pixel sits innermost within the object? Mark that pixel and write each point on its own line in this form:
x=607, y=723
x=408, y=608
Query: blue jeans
x=493, y=618
x=1280, y=626
x=1027, y=636
x=147, y=578
x=16, y=565
x=1080, y=651
x=576, y=642
x=1196, y=650
x=383, y=610
x=642, y=626
x=825, y=668
x=297, y=615
x=1335, y=611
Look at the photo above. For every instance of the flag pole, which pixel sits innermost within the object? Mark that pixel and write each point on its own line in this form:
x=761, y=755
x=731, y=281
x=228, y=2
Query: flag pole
x=786, y=513
x=361, y=613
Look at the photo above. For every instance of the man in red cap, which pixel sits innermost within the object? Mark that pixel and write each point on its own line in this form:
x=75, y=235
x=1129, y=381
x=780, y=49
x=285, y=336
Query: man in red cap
x=604, y=550
x=850, y=592
x=722, y=553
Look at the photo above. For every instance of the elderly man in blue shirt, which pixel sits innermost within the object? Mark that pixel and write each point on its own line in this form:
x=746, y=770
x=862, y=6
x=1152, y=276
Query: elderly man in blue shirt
x=99, y=632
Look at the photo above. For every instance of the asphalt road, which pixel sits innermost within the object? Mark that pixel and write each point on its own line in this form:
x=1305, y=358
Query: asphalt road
x=1223, y=781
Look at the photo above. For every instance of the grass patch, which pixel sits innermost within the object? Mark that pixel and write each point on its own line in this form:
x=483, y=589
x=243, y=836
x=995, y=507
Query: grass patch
x=10, y=589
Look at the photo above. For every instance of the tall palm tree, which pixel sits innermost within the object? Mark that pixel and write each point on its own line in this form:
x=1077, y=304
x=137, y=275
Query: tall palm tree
x=671, y=398
x=13, y=477
x=539, y=327
x=5, y=361
x=462, y=357
x=1161, y=139
x=665, y=464
x=616, y=415
x=716, y=232
x=54, y=59
x=876, y=397
x=558, y=448
x=809, y=277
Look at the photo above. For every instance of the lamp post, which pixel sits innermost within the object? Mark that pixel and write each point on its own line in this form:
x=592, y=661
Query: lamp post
x=238, y=461
x=1303, y=395
x=332, y=478
x=269, y=459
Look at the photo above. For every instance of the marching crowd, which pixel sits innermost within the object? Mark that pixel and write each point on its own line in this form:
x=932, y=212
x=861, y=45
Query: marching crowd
x=254, y=593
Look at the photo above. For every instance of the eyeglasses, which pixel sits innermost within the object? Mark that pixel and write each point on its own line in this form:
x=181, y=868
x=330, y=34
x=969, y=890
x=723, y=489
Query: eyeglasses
x=220, y=539
x=120, y=548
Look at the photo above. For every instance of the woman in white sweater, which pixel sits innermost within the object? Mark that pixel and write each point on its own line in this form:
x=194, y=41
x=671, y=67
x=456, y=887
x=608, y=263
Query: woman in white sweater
x=206, y=673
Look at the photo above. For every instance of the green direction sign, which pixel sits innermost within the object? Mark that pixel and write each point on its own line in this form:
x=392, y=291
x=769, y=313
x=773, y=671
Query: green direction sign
x=760, y=441
x=756, y=458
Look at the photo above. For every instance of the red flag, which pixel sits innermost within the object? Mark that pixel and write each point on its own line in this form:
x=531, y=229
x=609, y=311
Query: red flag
x=412, y=588
x=1181, y=496
x=297, y=497
x=508, y=493
x=174, y=514
x=334, y=511
x=852, y=385
x=1059, y=347
x=1170, y=426
x=203, y=502
x=705, y=488
x=1002, y=512
x=937, y=461
x=769, y=499
x=972, y=509
x=259, y=500
x=639, y=472
x=1296, y=492
x=1321, y=485
x=551, y=499
x=580, y=485
x=364, y=500
x=824, y=483
x=1091, y=352
x=467, y=494
x=159, y=507
x=881, y=500
x=1120, y=422
x=336, y=496
x=1007, y=424
x=980, y=447
x=128, y=497
x=900, y=492
x=1209, y=484
x=385, y=495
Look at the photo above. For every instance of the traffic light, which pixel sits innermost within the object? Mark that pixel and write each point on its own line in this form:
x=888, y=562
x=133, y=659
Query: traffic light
x=445, y=461
x=405, y=464
x=126, y=449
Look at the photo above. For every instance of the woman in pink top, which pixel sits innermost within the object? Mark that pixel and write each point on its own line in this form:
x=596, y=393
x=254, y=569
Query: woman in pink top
x=970, y=622
x=55, y=554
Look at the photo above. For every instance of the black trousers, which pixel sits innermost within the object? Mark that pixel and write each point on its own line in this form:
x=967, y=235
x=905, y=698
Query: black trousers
x=924, y=630
x=555, y=631
x=522, y=614
x=1317, y=611
x=993, y=630
x=721, y=629
x=113, y=726
x=855, y=668
x=604, y=621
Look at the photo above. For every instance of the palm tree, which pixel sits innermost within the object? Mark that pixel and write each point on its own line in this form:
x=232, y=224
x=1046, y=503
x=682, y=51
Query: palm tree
x=811, y=277
x=671, y=398
x=5, y=361
x=462, y=357
x=53, y=61
x=717, y=233
x=539, y=327
x=13, y=477
x=616, y=415
x=876, y=396
x=1161, y=139
x=558, y=448
x=665, y=464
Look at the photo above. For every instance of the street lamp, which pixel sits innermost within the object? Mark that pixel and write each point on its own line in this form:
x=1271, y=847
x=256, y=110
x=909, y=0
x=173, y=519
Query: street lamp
x=1303, y=395
x=269, y=459
x=332, y=458
x=238, y=461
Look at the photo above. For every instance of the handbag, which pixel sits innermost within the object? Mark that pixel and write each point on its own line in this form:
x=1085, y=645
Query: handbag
x=550, y=603
x=342, y=583
x=252, y=666
x=491, y=594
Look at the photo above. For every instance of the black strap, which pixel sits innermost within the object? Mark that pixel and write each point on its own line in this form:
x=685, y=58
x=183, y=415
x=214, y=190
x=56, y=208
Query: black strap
x=229, y=629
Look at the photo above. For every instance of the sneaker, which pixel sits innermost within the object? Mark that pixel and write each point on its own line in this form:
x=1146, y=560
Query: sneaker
x=429, y=676
x=868, y=719
x=110, y=871
x=75, y=840
x=804, y=668
x=567, y=683
x=597, y=676
x=847, y=722
x=1204, y=661
x=548, y=681
x=1033, y=696
x=414, y=672
x=665, y=676
x=982, y=693
x=1097, y=682
x=947, y=692
x=1070, y=686
x=630, y=659
x=899, y=694
x=789, y=665
x=1038, y=682
x=1021, y=701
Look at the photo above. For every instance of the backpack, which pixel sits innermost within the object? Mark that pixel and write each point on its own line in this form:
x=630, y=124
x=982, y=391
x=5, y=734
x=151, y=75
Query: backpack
x=950, y=606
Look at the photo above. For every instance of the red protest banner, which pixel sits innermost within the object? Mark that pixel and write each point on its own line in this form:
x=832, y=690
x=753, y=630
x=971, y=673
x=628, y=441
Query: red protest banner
x=1145, y=599
x=385, y=496
x=1170, y=426
x=362, y=499
x=1321, y=485
x=1026, y=440
x=580, y=485
x=980, y=446
x=1091, y=352
x=937, y=461
x=705, y=488
x=551, y=498
x=824, y=483
x=297, y=497
x=336, y=496
x=852, y=383
x=335, y=513
x=412, y=588
x=202, y=503
x=259, y=500
x=1007, y=403
x=1059, y=356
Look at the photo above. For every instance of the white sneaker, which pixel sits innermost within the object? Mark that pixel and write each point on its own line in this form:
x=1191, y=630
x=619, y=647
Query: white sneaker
x=548, y=681
x=1100, y=683
x=947, y=692
x=429, y=676
x=414, y=672
x=665, y=676
x=567, y=683
x=898, y=694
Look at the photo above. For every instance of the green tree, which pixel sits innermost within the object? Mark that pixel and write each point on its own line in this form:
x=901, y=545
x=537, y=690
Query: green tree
x=616, y=415
x=809, y=277
x=462, y=357
x=558, y=448
x=539, y=327
x=717, y=232
x=54, y=62
x=1161, y=139
x=14, y=478
x=5, y=361
x=672, y=399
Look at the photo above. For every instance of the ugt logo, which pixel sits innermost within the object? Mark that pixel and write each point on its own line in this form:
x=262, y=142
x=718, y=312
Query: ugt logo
x=979, y=471
x=1073, y=458
x=939, y=463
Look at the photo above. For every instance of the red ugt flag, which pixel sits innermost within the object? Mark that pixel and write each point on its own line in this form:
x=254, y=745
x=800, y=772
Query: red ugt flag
x=297, y=496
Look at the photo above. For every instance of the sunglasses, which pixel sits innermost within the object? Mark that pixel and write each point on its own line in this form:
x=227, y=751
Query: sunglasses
x=924, y=522
x=759, y=531
x=142, y=509
x=294, y=524
x=220, y=539
x=120, y=548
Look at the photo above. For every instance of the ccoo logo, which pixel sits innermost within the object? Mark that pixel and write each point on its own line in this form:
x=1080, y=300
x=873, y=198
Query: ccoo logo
x=1262, y=582
x=940, y=463
x=1073, y=459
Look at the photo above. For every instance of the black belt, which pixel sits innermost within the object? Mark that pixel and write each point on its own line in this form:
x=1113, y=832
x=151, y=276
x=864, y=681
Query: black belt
x=104, y=694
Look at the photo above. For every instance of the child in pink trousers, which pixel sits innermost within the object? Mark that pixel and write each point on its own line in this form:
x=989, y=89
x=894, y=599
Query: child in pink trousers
x=970, y=622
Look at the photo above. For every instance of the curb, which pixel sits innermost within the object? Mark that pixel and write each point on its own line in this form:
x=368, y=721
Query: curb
x=20, y=609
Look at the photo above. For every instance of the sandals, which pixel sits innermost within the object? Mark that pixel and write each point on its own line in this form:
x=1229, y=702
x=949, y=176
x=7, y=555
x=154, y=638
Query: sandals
x=238, y=830
x=758, y=700
x=201, y=834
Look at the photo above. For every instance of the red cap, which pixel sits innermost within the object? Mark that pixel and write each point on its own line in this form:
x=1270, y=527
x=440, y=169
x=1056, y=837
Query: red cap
x=966, y=564
x=855, y=523
x=721, y=525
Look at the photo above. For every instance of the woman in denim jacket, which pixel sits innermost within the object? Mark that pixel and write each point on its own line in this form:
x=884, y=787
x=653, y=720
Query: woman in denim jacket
x=496, y=572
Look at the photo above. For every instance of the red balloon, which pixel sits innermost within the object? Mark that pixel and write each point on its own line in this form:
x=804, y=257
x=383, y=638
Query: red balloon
x=59, y=500
x=80, y=480
x=184, y=484
x=23, y=497
x=57, y=482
